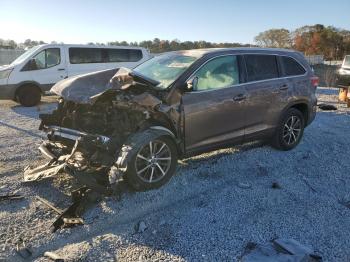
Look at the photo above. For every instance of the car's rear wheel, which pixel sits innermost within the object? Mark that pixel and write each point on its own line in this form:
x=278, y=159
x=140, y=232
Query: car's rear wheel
x=290, y=130
x=28, y=95
x=151, y=161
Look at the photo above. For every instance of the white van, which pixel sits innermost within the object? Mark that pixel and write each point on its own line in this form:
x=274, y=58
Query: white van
x=35, y=71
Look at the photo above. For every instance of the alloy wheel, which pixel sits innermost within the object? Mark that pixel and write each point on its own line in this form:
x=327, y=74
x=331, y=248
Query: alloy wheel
x=292, y=130
x=153, y=161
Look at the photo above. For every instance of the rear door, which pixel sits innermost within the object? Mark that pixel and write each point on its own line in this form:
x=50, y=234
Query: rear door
x=264, y=88
x=215, y=110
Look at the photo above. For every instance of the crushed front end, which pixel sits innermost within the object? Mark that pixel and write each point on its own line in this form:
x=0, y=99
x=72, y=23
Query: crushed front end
x=86, y=133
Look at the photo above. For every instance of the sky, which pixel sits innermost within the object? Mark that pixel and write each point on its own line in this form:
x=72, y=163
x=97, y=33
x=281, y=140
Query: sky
x=80, y=22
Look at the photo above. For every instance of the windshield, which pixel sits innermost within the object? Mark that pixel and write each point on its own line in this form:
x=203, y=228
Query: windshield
x=346, y=62
x=166, y=68
x=25, y=55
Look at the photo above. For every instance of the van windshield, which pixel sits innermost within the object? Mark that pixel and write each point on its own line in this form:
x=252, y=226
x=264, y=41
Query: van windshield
x=346, y=62
x=166, y=68
x=25, y=55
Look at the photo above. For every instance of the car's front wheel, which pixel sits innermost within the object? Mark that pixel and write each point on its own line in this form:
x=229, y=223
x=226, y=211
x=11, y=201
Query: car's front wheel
x=151, y=159
x=290, y=130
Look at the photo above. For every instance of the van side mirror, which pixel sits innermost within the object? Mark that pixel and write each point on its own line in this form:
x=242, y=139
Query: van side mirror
x=191, y=84
x=31, y=65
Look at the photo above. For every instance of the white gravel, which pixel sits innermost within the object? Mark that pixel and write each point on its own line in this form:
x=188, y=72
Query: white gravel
x=211, y=209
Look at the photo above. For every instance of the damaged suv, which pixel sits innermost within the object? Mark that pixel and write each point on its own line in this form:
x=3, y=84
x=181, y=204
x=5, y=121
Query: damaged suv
x=134, y=125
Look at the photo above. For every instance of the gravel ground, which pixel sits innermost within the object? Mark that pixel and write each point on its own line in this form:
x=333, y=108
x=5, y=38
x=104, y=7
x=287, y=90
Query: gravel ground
x=214, y=206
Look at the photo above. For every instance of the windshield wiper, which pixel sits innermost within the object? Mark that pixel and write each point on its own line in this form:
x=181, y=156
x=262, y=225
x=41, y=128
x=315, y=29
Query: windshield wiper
x=143, y=79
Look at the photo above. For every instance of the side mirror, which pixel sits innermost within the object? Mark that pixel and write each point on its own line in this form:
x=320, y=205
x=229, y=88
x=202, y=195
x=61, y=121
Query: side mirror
x=192, y=84
x=30, y=65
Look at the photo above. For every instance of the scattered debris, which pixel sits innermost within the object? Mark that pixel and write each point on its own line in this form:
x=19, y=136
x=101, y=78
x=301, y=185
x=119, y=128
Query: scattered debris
x=48, y=204
x=282, y=250
x=11, y=197
x=275, y=185
x=327, y=107
x=53, y=256
x=140, y=227
x=244, y=185
x=22, y=249
x=82, y=198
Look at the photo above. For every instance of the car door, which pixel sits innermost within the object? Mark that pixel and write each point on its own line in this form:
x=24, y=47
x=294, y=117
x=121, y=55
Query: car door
x=48, y=67
x=264, y=88
x=214, y=111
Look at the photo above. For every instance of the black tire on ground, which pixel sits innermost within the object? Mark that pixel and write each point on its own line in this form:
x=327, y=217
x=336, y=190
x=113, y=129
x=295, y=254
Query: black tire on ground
x=289, y=131
x=138, y=145
x=28, y=95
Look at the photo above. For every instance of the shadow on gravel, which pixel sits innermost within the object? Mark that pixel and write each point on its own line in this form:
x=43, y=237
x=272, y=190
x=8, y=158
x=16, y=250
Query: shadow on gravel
x=33, y=112
x=30, y=133
x=214, y=156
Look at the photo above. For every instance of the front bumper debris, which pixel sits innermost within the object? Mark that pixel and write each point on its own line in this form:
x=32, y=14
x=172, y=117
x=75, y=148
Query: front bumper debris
x=64, y=150
x=57, y=132
x=63, y=157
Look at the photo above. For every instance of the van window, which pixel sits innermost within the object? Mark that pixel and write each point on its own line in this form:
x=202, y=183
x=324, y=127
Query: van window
x=45, y=59
x=218, y=73
x=82, y=55
x=124, y=55
x=79, y=55
x=291, y=66
x=261, y=67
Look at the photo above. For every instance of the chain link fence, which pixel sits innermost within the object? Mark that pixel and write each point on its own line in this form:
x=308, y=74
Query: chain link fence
x=8, y=55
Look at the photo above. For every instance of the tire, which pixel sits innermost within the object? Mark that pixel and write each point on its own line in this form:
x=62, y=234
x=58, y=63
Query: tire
x=286, y=138
x=29, y=95
x=136, y=157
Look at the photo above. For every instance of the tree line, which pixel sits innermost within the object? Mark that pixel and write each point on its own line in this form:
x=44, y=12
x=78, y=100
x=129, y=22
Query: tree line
x=333, y=43
x=317, y=39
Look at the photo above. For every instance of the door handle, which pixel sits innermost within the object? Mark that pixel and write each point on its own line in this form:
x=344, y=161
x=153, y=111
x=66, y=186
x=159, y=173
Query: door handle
x=284, y=87
x=239, y=97
x=60, y=69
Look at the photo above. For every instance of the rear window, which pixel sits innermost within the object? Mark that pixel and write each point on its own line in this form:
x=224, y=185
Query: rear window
x=291, y=66
x=85, y=55
x=124, y=55
x=81, y=55
x=261, y=67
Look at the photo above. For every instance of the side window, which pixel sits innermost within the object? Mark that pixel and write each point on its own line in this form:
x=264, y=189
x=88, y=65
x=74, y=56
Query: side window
x=79, y=55
x=218, y=73
x=261, y=67
x=291, y=66
x=124, y=55
x=45, y=59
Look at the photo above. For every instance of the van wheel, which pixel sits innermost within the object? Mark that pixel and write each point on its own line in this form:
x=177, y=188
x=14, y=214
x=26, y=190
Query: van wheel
x=29, y=95
x=290, y=130
x=151, y=159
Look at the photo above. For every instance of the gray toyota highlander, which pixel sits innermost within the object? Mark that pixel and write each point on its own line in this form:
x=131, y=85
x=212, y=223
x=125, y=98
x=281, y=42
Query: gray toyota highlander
x=134, y=125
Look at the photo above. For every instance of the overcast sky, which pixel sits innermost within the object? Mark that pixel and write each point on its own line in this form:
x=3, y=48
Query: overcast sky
x=77, y=21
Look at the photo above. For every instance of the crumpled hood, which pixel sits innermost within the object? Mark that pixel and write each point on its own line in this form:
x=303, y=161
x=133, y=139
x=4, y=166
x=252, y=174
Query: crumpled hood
x=86, y=88
x=82, y=88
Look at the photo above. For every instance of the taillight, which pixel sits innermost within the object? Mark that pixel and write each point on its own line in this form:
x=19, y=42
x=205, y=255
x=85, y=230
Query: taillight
x=315, y=81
